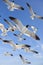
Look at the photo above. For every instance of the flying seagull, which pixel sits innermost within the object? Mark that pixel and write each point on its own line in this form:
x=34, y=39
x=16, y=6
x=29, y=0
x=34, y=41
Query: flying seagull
x=25, y=61
x=3, y=29
x=11, y=26
x=23, y=29
x=25, y=47
x=13, y=45
x=12, y=5
x=8, y=54
x=33, y=14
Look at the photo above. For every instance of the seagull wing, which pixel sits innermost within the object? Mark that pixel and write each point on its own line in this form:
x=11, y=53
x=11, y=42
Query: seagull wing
x=7, y=2
x=24, y=60
x=17, y=22
x=34, y=51
x=31, y=34
x=11, y=43
x=9, y=23
x=40, y=17
x=18, y=7
x=30, y=8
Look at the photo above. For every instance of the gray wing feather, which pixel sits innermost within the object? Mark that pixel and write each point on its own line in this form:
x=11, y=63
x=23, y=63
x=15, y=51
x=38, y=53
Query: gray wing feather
x=17, y=22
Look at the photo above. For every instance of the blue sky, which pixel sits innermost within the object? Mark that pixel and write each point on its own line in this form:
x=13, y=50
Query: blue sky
x=24, y=16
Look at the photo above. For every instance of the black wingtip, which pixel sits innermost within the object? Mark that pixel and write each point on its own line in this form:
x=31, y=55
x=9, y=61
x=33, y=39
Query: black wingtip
x=36, y=52
x=15, y=34
x=37, y=38
x=28, y=4
x=21, y=8
x=27, y=45
x=5, y=20
x=29, y=62
x=6, y=41
x=27, y=26
x=12, y=18
x=20, y=55
x=24, y=39
x=16, y=43
x=13, y=1
x=0, y=38
x=11, y=54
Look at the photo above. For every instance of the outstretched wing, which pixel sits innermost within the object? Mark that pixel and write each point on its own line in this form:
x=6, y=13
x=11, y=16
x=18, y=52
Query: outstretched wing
x=24, y=60
x=17, y=22
x=40, y=17
x=30, y=8
x=9, y=23
x=31, y=34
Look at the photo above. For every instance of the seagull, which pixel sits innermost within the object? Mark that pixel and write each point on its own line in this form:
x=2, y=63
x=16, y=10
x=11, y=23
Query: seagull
x=11, y=26
x=13, y=45
x=33, y=14
x=25, y=47
x=12, y=5
x=23, y=29
x=8, y=54
x=24, y=60
x=19, y=37
x=3, y=29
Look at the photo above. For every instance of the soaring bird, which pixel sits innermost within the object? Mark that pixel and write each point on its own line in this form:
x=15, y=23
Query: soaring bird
x=25, y=47
x=12, y=5
x=25, y=61
x=23, y=29
x=33, y=14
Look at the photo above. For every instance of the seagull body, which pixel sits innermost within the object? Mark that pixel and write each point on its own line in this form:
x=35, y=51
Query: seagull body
x=19, y=46
x=25, y=61
x=8, y=54
x=12, y=5
x=11, y=26
x=33, y=14
x=23, y=29
x=3, y=29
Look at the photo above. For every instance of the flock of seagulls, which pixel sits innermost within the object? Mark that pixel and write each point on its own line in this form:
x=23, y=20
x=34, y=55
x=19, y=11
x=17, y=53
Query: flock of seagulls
x=24, y=30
